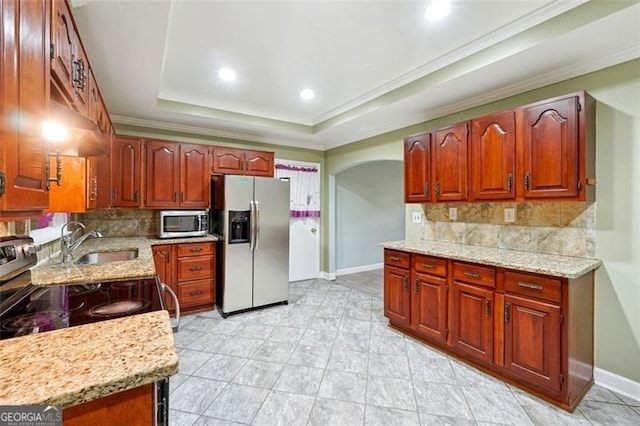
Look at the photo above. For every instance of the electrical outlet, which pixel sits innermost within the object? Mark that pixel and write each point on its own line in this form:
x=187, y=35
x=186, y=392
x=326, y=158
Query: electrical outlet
x=417, y=217
x=453, y=213
x=509, y=215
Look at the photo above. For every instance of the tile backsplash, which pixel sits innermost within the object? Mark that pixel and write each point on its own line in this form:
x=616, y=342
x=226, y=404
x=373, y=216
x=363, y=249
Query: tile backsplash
x=122, y=222
x=566, y=228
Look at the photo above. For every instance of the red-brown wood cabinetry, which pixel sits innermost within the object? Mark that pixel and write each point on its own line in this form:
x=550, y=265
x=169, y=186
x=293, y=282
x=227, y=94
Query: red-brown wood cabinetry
x=417, y=168
x=126, y=174
x=241, y=162
x=24, y=85
x=493, y=157
x=449, y=169
x=532, y=330
x=164, y=261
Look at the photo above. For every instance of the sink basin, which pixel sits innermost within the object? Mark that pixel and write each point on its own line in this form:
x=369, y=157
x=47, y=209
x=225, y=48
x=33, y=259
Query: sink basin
x=107, y=256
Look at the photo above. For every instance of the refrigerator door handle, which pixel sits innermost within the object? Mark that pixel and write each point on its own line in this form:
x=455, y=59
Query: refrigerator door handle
x=257, y=226
x=252, y=221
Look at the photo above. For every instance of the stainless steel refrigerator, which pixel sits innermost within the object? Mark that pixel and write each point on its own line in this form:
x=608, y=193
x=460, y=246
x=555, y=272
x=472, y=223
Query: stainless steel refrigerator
x=252, y=216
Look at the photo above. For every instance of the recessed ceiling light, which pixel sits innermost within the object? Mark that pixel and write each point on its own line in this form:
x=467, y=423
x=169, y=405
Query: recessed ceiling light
x=307, y=94
x=437, y=10
x=226, y=74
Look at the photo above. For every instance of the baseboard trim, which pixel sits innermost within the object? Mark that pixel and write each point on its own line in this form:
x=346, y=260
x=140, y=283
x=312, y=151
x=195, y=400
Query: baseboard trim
x=356, y=269
x=618, y=384
x=328, y=275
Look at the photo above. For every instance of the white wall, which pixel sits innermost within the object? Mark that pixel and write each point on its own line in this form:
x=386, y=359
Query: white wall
x=369, y=209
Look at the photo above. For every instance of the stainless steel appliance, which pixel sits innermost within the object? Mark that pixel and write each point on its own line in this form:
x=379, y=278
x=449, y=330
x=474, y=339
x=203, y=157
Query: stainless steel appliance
x=28, y=309
x=252, y=216
x=183, y=223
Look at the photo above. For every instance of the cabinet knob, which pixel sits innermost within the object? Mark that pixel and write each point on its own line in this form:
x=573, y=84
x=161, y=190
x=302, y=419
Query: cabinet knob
x=196, y=268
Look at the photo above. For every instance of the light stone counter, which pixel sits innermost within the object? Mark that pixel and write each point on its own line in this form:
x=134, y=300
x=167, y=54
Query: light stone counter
x=142, y=267
x=79, y=364
x=548, y=264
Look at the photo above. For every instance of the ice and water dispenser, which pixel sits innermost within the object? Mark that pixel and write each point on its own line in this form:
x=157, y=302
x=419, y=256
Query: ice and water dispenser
x=239, y=226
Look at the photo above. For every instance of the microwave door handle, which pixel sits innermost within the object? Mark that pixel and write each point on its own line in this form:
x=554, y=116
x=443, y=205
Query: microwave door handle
x=257, y=226
x=252, y=225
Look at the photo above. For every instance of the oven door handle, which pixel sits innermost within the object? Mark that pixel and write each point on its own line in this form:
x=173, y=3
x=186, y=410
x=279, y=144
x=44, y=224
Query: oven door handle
x=176, y=304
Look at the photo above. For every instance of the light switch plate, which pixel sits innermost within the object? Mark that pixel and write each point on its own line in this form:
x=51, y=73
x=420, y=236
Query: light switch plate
x=453, y=213
x=417, y=217
x=509, y=215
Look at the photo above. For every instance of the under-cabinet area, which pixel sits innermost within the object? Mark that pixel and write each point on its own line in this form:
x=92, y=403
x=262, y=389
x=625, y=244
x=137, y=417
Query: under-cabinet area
x=505, y=316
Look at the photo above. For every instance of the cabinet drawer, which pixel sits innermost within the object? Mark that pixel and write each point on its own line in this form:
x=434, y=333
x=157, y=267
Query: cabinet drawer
x=536, y=286
x=430, y=265
x=396, y=258
x=194, y=249
x=193, y=268
x=196, y=293
x=474, y=274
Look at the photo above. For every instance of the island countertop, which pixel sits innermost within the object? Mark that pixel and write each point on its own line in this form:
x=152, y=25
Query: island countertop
x=79, y=364
x=547, y=264
x=56, y=273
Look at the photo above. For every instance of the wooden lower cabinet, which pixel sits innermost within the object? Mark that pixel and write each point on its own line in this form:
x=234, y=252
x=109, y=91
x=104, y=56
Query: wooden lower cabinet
x=189, y=269
x=133, y=407
x=531, y=330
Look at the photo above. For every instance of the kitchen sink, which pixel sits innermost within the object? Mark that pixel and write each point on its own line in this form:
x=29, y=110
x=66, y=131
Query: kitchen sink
x=98, y=258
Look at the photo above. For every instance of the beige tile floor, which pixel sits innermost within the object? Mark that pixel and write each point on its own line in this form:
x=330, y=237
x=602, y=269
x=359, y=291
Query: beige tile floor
x=328, y=358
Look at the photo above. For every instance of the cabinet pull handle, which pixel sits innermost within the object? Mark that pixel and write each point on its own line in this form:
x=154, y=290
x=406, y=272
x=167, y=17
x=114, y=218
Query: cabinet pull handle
x=487, y=308
x=437, y=188
x=473, y=275
x=113, y=194
x=196, y=249
x=416, y=286
x=182, y=197
x=195, y=293
x=175, y=196
x=406, y=282
x=509, y=182
x=395, y=258
x=169, y=256
x=428, y=265
x=426, y=189
x=507, y=312
x=526, y=180
x=196, y=268
x=136, y=194
x=536, y=287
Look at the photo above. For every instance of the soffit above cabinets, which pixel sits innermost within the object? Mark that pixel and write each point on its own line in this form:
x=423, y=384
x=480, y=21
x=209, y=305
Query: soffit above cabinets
x=374, y=66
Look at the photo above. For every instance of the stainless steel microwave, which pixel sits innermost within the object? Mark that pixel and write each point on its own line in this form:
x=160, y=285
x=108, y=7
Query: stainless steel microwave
x=183, y=223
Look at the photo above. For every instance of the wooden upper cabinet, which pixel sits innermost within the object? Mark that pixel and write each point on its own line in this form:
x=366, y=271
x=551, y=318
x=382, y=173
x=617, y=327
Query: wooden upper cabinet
x=195, y=179
x=493, y=157
x=417, y=168
x=62, y=47
x=177, y=175
x=24, y=84
x=450, y=163
x=163, y=174
x=241, y=162
x=550, y=149
x=126, y=166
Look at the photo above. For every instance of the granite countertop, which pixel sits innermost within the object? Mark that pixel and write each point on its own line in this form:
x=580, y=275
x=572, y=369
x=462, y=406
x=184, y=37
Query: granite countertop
x=55, y=273
x=548, y=264
x=79, y=364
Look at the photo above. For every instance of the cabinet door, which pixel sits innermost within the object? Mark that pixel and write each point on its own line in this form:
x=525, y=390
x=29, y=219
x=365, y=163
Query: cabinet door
x=258, y=163
x=126, y=157
x=397, y=296
x=417, y=168
x=550, y=149
x=472, y=321
x=533, y=340
x=450, y=163
x=24, y=85
x=164, y=260
x=228, y=161
x=163, y=174
x=62, y=38
x=493, y=148
x=429, y=306
x=195, y=179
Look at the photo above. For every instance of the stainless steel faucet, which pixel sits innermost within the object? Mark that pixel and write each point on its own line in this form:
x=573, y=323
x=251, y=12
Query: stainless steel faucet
x=68, y=243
